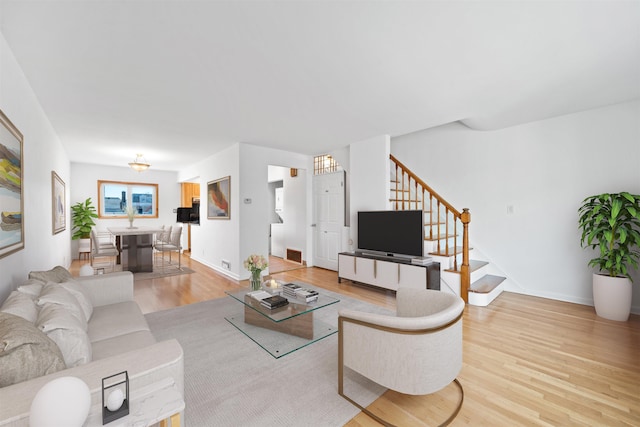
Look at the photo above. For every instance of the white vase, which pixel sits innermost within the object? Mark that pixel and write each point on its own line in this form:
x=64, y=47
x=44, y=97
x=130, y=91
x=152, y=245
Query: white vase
x=612, y=297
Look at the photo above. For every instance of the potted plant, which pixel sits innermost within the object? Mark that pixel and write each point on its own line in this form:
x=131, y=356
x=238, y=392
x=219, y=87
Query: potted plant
x=610, y=222
x=82, y=214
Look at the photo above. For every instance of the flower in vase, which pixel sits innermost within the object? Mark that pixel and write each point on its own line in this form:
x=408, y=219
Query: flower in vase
x=255, y=263
x=131, y=213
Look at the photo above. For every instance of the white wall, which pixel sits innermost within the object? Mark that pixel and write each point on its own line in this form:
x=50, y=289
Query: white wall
x=217, y=240
x=368, y=175
x=42, y=153
x=84, y=183
x=544, y=170
x=342, y=156
x=276, y=173
x=247, y=231
x=295, y=212
x=254, y=163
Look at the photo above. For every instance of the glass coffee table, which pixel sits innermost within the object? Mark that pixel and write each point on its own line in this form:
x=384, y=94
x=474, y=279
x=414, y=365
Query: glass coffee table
x=283, y=330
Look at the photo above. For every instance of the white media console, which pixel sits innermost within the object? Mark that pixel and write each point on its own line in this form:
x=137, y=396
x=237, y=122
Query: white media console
x=387, y=272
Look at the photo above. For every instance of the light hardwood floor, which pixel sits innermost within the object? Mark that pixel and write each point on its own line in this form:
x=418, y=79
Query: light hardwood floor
x=527, y=361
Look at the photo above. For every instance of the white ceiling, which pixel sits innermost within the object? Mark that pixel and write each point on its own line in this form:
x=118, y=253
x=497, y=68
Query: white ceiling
x=181, y=80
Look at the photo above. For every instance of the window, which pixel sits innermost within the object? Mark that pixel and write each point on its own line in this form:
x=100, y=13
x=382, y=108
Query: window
x=114, y=198
x=325, y=164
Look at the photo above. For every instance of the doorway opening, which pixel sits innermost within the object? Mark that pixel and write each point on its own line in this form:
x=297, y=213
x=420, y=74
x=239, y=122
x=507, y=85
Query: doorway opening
x=287, y=218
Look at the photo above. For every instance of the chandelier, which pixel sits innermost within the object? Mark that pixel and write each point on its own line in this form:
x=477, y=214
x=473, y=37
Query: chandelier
x=139, y=164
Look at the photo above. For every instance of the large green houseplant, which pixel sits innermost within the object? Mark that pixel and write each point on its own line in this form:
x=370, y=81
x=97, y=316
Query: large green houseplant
x=610, y=223
x=82, y=214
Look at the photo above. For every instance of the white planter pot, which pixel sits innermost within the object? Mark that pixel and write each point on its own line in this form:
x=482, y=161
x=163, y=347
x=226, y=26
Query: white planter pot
x=84, y=248
x=612, y=297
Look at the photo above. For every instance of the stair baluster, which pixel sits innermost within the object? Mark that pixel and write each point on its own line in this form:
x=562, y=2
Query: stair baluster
x=464, y=218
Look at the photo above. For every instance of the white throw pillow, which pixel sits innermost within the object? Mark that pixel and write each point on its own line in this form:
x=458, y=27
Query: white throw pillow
x=67, y=332
x=55, y=316
x=21, y=305
x=78, y=291
x=54, y=293
x=31, y=287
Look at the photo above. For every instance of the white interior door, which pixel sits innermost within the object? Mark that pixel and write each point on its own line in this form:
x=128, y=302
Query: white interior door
x=328, y=202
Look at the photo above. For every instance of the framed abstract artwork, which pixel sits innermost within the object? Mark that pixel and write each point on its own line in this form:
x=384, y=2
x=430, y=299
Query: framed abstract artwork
x=11, y=189
x=58, y=210
x=219, y=198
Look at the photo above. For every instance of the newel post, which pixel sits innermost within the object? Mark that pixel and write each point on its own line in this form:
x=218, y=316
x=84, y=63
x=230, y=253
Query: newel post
x=465, y=273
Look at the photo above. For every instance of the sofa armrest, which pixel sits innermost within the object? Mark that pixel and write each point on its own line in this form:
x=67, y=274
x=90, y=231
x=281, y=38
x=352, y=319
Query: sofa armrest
x=145, y=366
x=104, y=289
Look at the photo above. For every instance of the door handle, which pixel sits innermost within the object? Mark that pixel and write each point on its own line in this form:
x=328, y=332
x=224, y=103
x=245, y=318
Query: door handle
x=313, y=225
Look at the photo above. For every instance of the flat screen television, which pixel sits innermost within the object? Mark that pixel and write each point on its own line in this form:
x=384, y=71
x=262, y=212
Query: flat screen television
x=189, y=215
x=391, y=232
x=195, y=213
x=184, y=215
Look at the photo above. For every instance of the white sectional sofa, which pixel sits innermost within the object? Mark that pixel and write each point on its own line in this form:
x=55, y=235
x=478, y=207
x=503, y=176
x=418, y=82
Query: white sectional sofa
x=118, y=334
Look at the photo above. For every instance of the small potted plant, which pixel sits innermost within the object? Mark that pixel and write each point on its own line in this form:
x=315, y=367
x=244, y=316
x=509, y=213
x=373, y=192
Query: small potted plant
x=610, y=222
x=82, y=215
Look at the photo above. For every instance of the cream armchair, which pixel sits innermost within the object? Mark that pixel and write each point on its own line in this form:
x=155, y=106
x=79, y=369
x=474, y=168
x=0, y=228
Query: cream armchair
x=418, y=351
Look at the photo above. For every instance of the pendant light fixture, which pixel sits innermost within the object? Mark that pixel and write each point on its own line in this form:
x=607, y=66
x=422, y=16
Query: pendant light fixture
x=139, y=164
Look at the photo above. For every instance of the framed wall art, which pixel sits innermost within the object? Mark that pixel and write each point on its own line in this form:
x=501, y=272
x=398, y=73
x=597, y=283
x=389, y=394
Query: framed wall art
x=11, y=189
x=58, y=208
x=218, y=198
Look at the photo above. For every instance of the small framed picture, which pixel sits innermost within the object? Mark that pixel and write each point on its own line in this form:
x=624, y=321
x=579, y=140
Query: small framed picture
x=219, y=198
x=58, y=208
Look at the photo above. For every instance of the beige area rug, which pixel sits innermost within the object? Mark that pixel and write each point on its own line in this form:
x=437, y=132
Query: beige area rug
x=231, y=381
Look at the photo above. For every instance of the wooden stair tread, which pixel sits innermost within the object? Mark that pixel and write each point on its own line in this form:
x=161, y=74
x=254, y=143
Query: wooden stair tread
x=452, y=252
x=405, y=200
x=486, y=284
x=431, y=224
x=442, y=237
x=473, y=266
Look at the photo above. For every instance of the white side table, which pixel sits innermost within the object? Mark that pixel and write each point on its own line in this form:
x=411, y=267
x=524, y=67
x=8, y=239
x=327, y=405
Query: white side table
x=155, y=403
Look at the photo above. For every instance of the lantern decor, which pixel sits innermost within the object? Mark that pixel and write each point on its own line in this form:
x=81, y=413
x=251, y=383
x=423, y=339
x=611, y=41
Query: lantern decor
x=115, y=397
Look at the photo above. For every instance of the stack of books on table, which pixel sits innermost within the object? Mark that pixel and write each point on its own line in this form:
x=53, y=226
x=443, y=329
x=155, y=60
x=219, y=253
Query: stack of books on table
x=274, y=301
x=259, y=295
x=296, y=291
x=289, y=289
